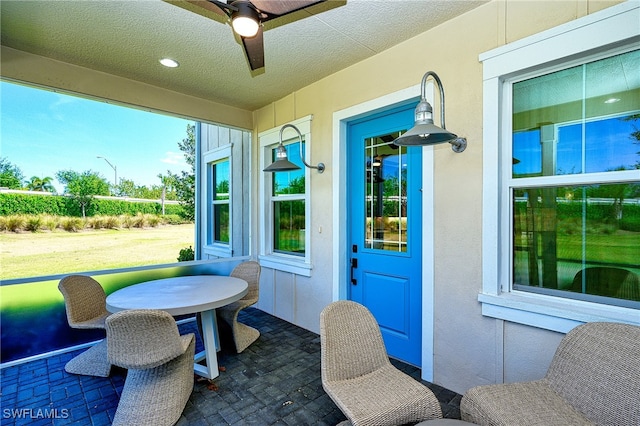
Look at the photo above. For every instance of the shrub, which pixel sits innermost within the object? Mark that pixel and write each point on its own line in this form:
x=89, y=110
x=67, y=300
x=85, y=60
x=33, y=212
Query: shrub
x=138, y=221
x=126, y=221
x=153, y=220
x=15, y=223
x=186, y=254
x=630, y=223
x=50, y=222
x=13, y=204
x=95, y=222
x=173, y=219
x=72, y=224
x=33, y=223
x=111, y=222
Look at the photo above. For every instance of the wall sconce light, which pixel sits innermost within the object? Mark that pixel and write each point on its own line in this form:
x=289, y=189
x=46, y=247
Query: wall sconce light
x=282, y=163
x=424, y=132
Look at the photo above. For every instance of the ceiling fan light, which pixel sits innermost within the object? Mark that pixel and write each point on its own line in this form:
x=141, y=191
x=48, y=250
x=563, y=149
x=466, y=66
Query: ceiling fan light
x=245, y=21
x=246, y=27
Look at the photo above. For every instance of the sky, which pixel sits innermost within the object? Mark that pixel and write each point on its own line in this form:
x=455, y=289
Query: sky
x=43, y=132
x=608, y=145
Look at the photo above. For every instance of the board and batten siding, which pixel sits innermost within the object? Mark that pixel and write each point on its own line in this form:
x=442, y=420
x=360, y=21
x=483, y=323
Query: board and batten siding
x=238, y=142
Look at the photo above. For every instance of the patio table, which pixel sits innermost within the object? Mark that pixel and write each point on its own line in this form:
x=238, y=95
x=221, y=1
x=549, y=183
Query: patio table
x=186, y=295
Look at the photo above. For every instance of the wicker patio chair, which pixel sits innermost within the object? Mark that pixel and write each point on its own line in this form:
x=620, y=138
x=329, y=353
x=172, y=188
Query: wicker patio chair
x=358, y=376
x=85, y=304
x=594, y=378
x=243, y=335
x=160, y=362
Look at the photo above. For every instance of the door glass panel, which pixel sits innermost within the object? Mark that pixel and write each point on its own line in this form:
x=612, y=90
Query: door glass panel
x=385, y=193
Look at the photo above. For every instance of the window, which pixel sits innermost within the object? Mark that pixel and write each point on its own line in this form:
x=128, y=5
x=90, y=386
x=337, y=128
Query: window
x=562, y=183
x=218, y=212
x=575, y=232
x=286, y=203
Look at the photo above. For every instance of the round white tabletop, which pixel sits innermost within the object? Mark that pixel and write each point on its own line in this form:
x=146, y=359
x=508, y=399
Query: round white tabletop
x=179, y=295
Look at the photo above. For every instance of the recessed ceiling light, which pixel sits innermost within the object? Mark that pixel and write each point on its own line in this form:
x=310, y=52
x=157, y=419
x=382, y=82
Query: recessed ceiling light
x=612, y=100
x=169, y=62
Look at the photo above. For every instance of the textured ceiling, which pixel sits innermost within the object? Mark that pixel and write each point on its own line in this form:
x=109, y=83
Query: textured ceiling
x=127, y=38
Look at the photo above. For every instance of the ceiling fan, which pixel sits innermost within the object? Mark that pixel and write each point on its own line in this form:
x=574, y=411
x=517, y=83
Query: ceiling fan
x=247, y=17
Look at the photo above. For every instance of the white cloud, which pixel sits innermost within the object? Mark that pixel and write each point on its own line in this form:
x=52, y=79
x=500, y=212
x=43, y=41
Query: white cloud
x=174, y=158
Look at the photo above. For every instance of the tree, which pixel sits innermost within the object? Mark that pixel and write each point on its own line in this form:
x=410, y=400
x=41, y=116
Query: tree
x=83, y=187
x=41, y=184
x=168, y=182
x=126, y=188
x=185, y=182
x=10, y=175
x=635, y=134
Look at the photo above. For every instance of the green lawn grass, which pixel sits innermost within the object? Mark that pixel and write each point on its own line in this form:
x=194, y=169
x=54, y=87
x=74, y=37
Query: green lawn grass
x=621, y=248
x=48, y=253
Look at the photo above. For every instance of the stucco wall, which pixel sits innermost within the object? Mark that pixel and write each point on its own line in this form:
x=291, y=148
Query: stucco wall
x=469, y=349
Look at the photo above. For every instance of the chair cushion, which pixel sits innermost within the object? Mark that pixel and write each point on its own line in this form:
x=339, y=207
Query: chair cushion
x=513, y=404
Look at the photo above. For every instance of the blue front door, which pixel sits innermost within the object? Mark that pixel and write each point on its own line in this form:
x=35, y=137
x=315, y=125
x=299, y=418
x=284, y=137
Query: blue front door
x=385, y=228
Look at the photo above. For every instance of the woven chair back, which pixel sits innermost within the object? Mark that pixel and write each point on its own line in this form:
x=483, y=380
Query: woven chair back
x=351, y=342
x=84, y=298
x=596, y=368
x=250, y=272
x=142, y=338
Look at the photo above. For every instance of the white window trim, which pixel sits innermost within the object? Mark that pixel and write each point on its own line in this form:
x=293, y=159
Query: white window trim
x=601, y=31
x=212, y=156
x=298, y=265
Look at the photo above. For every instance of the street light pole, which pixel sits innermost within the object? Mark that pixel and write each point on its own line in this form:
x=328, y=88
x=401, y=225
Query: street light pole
x=115, y=171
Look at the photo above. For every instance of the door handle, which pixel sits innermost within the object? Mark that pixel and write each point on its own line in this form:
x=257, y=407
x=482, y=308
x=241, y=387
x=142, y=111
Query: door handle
x=354, y=265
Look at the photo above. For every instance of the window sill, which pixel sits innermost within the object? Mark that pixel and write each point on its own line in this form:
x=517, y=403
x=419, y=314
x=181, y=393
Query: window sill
x=551, y=313
x=221, y=251
x=286, y=264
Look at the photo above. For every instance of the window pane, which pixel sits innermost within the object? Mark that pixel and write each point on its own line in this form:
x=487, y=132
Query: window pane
x=289, y=227
x=220, y=201
x=386, y=194
x=221, y=221
x=221, y=180
x=289, y=182
x=580, y=120
x=560, y=231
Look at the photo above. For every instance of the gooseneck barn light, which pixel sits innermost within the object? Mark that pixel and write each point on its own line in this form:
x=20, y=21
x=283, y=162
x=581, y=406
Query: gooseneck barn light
x=282, y=163
x=424, y=132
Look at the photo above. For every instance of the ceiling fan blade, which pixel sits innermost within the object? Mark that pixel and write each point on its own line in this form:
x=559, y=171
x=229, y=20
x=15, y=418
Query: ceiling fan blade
x=276, y=8
x=254, y=49
x=215, y=6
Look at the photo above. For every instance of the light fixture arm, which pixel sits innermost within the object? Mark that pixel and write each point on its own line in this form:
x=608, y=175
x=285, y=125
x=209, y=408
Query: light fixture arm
x=458, y=144
x=424, y=132
x=320, y=167
x=423, y=89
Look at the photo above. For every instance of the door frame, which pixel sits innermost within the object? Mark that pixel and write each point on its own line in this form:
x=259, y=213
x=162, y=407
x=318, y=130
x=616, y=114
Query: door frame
x=340, y=250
